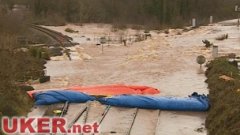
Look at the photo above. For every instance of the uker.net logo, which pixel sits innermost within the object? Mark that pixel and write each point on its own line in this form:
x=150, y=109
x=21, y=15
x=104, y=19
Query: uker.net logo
x=44, y=125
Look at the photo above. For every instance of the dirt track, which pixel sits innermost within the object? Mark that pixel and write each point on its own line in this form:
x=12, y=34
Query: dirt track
x=167, y=62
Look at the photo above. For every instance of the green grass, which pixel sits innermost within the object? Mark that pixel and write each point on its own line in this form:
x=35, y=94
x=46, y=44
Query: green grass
x=224, y=116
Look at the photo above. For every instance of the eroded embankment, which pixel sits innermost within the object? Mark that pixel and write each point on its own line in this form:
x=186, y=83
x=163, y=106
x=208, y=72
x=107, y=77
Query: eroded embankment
x=224, y=84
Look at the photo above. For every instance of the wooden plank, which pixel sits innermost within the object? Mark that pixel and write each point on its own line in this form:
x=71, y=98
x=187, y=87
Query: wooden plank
x=146, y=122
x=38, y=111
x=118, y=121
x=73, y=112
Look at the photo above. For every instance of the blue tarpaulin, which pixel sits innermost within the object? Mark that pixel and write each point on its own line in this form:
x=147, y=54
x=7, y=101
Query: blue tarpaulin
x=195, y=102
x=60, y=96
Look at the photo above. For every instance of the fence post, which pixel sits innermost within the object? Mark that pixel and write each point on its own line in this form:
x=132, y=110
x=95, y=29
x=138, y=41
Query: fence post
x=215, y=51
x=211, y=19
x=237, y=9
x=194, y=24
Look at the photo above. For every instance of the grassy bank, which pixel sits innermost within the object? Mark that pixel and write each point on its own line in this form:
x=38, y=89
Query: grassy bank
x=18, y=65
x=224, y=92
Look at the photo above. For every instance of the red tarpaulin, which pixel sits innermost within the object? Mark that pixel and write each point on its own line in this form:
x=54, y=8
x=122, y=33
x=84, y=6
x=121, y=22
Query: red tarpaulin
x=108, y=90
x=117, y=89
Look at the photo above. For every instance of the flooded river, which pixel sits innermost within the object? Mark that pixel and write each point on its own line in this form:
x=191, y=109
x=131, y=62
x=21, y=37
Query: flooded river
x=167, y=62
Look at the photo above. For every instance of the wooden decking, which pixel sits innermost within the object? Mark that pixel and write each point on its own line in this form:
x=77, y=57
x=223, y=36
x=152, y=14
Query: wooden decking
x=113, y=120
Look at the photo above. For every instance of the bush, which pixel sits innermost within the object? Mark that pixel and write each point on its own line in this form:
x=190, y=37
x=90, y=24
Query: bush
x=16, y=103
x=14, y=66
x=223, y=116
x=45, y=56
x=222, y=66
x=207, y=43
x=40, y=53
x=25, y=88
x=70, y=30
x=55, y=51
x=44, y=79
x=33, y=51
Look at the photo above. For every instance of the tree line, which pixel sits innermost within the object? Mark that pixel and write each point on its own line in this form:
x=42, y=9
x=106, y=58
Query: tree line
x=151, y=13
x=155, y=13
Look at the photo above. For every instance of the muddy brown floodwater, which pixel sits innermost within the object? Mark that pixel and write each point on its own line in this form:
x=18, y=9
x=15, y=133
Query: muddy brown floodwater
x=167, y=62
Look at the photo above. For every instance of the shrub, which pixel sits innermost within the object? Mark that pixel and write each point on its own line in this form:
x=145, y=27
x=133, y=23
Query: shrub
x=45, y=55
x=55, y=51
x=44, y=79
x=26, y=87
x=207, y=43
x=33, y=51
x=70, y=30
x=222, y=66
x=223, y=116
x=40, y=53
